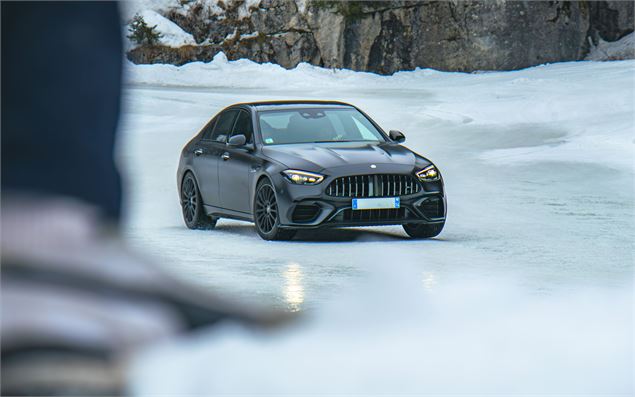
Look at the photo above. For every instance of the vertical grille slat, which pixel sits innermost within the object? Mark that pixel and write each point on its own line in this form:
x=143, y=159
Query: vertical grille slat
x=377, y=185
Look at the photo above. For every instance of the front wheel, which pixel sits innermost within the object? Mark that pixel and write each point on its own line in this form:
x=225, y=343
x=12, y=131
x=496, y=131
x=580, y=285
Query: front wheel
x=192, y=205
x=422, y=230
x=267, y=214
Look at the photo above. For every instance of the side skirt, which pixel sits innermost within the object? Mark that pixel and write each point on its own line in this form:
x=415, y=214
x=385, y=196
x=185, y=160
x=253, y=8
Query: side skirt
x=225, y=213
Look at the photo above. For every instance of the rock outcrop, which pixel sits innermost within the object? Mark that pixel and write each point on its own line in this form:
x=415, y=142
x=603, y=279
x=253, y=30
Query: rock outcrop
x=389, y=36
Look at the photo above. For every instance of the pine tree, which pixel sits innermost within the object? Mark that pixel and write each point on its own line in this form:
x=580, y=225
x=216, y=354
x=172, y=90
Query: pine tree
x=143, y=34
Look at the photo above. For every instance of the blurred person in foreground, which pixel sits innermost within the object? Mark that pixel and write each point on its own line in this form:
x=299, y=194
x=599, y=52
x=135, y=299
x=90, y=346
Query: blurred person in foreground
x=75, y=301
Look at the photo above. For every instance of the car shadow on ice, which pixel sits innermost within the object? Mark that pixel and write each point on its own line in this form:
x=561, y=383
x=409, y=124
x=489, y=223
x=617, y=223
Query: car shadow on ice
x=349, y=235
x=334, y=235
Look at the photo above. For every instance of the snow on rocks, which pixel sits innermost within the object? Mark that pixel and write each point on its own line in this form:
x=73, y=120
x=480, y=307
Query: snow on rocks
x=171, y=34
x=623, y=48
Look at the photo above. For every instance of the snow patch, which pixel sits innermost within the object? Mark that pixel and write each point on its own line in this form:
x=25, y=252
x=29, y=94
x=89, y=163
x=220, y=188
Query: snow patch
x=231, y=36
x=246, y=8
x=623, y=48
x=301, y=4
x=251, y=35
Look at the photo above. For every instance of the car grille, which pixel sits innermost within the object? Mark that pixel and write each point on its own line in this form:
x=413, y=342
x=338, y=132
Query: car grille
x=433, y=208
x=379, y=185
x=385, y=214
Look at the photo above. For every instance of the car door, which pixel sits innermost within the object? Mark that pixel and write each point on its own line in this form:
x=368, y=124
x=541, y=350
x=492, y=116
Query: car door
x=235, y=166
x=207, y=154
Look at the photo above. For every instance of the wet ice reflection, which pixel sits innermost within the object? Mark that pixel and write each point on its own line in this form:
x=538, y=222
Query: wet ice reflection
x=293, y=288
x=429, y=280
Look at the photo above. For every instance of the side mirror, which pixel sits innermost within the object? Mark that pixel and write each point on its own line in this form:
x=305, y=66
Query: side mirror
x=397, y=136
x=237, y=140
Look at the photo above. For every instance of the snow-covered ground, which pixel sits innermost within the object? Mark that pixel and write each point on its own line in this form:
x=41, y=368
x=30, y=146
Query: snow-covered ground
x=528, y=289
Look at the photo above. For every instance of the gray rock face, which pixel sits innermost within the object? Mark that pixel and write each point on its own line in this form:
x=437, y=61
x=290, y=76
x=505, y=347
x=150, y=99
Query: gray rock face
x=388, y=36
x=611, y=20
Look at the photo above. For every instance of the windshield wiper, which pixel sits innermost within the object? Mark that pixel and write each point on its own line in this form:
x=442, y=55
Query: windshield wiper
x=330, y=141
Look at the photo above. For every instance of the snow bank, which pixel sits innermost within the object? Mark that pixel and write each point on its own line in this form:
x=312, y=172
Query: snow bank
x=593, y=100
x=394, y=336
x=623, y=48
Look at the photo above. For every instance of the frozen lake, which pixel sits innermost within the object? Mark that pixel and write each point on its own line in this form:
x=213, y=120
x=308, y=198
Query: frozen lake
x=537, y=167
x=529, y=288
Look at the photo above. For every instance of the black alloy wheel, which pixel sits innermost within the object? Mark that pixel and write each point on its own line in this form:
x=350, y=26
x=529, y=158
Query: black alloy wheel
x=192, y=205
x=266, y=214
x=422, y=230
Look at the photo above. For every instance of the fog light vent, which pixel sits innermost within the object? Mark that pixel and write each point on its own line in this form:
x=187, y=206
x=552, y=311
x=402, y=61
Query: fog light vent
x=433, y=208
x=305, y=213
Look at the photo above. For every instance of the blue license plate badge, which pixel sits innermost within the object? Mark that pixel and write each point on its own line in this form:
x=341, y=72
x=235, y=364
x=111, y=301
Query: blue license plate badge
x=376, y=203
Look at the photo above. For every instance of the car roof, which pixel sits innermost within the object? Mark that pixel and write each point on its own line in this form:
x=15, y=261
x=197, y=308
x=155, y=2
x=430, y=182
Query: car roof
x=283, y=105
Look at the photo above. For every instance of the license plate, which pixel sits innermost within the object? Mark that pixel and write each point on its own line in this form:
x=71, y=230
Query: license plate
x=376, y=203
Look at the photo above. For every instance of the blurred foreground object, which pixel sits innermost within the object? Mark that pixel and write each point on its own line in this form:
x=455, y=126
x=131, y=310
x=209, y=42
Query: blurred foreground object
x=61, y=84
x=75, y=303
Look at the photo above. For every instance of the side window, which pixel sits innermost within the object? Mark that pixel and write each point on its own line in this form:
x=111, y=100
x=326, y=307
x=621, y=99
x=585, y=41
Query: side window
x=209, y=128
x=244, y=126
x=224, y=125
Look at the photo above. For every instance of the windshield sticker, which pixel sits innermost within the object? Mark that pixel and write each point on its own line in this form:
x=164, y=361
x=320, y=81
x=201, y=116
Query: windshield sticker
x=268, y=140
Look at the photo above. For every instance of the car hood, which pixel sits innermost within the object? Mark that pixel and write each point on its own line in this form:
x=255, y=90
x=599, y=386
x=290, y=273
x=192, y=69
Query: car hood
x=317, y=157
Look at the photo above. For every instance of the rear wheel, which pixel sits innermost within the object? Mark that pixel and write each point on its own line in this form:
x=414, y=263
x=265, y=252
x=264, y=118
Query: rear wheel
x=422, y=230
x=267, y=214
x=192, y=205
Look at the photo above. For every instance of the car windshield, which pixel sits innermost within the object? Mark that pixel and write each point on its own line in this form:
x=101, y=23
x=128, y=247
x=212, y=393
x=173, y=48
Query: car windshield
x=316, y=125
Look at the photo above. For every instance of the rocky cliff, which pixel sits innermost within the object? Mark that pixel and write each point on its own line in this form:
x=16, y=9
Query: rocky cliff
x=388, y=36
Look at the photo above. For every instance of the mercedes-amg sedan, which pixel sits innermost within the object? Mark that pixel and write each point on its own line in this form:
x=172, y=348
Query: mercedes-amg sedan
x=306, y=164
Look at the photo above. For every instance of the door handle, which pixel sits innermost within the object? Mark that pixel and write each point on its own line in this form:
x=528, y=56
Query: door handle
x=225, y=156
x=198, y=152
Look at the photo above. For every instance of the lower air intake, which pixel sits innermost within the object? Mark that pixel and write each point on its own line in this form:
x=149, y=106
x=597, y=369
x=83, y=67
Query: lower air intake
x=305, y=213
x=380, y=215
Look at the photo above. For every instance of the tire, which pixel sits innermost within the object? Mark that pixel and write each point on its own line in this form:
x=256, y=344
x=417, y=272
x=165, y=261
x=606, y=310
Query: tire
x=192, y=205
x=422, y=230
x=266, y=213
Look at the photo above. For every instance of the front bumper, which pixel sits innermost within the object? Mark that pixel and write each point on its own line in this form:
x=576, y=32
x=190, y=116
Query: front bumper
x=307, y=207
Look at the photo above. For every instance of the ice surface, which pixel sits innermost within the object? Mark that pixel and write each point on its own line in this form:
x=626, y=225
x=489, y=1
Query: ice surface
x=396, y=336
x=528, y=288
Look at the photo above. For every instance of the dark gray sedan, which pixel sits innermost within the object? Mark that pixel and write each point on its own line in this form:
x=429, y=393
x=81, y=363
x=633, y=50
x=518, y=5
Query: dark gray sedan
x=303, y=165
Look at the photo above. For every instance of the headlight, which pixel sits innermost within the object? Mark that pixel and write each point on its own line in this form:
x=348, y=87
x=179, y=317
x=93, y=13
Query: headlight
x=428, y=174
x=303, y=177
